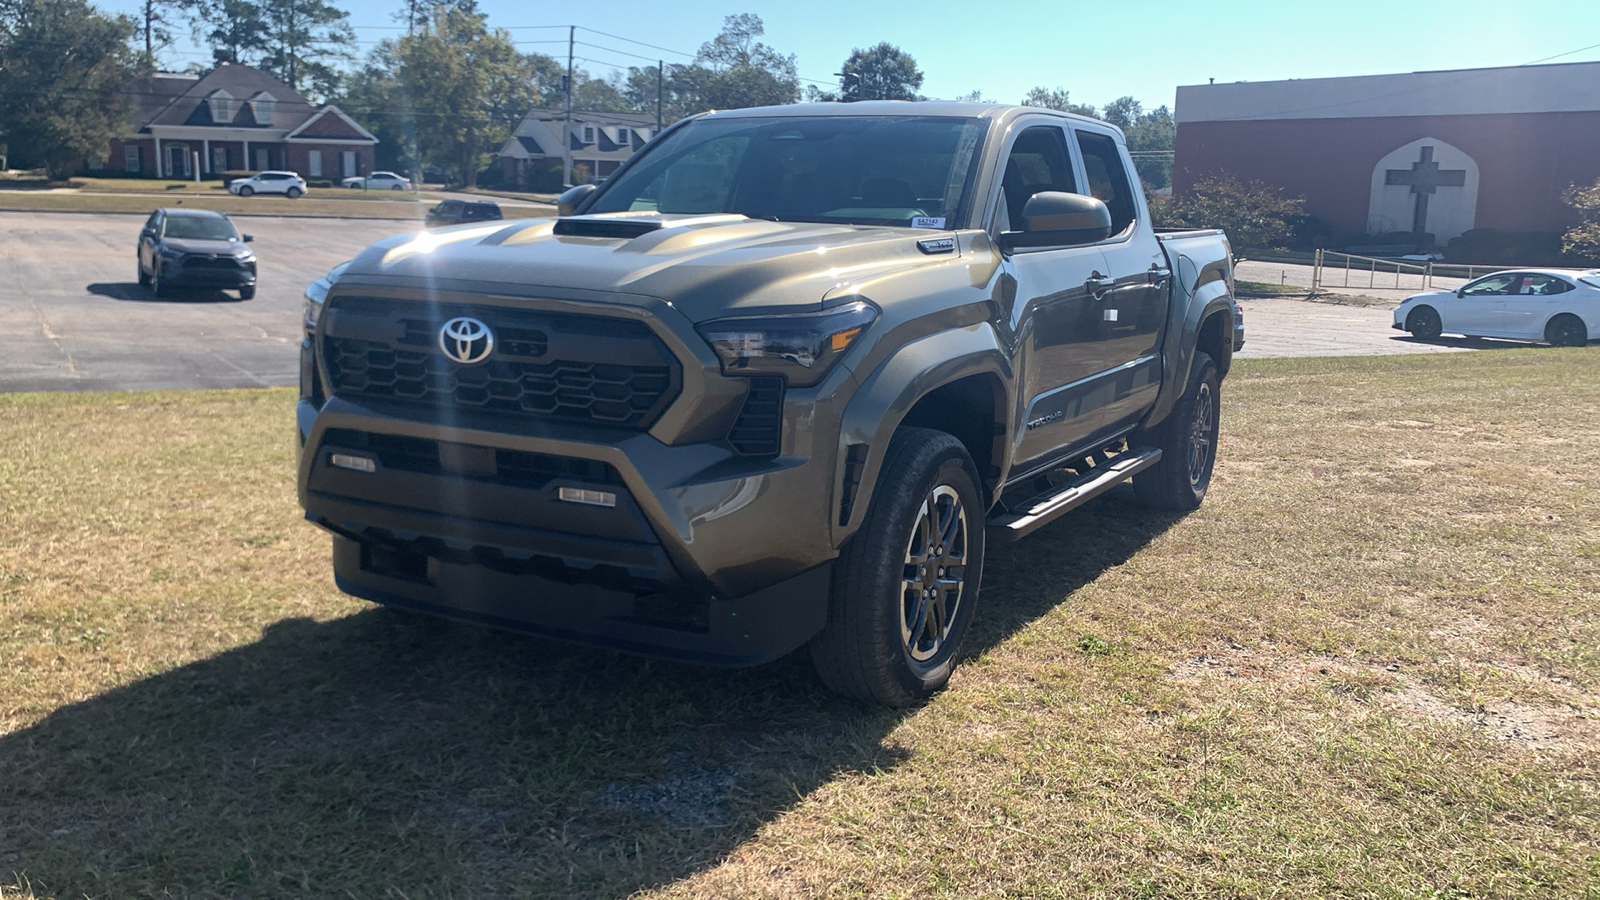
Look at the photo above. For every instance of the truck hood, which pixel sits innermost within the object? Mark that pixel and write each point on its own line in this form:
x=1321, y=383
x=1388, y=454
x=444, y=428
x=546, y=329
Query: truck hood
x=705, y=266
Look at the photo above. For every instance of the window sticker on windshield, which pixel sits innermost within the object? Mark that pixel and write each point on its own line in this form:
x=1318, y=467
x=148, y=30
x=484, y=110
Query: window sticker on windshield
x=927, y=222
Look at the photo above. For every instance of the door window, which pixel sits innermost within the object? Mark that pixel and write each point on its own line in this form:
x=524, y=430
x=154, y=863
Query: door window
x=1540, y=286
x=130, y=158
x=1491, y=284
x=1038, y=162
x=1108, y=180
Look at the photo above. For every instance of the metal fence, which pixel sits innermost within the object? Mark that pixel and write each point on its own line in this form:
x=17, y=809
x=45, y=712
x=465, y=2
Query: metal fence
x=1330, y=268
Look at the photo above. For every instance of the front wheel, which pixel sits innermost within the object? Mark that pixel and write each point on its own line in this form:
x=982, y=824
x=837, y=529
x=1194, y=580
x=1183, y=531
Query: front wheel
x=246, y=191
x=248, y=292
x=1188, y=442
x=1566, y=330
x=144, y=279
x=1424, y=323
x=905, y=585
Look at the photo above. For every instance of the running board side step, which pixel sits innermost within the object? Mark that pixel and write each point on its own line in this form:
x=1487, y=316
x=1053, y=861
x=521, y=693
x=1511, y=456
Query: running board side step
x=1047, y=508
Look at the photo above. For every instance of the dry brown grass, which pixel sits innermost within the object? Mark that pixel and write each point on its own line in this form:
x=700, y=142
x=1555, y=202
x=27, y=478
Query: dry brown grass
x=1369, y=666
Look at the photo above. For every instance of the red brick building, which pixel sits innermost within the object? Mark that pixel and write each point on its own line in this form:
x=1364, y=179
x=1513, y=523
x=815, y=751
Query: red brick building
x=235, y=118
x=1427, y=152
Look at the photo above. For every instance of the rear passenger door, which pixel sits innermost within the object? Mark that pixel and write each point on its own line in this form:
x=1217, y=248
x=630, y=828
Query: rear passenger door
x=1134, y=310
x=1054, y=312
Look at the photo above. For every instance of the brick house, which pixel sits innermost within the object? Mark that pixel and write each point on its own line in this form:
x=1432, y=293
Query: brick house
x=600, y=142
x=235, y=117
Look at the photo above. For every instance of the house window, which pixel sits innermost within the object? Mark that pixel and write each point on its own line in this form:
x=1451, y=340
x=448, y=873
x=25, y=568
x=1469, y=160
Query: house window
x=130, y=158
x=347, y=161
x=261, y=106
x=219, y=159
x=314, y=163
x=222, y=107
x=96, y=165
x=263, y=159
x=588, y=134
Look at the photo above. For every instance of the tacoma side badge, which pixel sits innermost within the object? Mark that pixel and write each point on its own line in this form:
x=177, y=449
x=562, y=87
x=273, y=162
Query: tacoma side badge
x=937, y=245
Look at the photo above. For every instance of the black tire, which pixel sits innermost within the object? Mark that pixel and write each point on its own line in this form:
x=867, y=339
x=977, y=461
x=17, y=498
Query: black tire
x=1424, y=323
x=157, y=289
x=248, y=292
x=891, y=639
x=246, y=191
x=1566, y=330
x=1188, y=442
x=397, y=188
x=144, y=279
x=294, y=193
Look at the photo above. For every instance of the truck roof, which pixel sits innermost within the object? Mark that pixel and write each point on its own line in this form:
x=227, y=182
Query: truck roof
x=960, y=108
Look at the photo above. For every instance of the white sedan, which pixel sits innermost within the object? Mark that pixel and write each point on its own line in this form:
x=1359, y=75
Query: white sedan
x=1557, y=306
x=378, y=181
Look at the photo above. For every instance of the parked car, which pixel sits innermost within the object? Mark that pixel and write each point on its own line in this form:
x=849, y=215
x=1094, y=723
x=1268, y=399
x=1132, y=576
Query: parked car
x=732, y=403
x=378, y=181
x=458, y=212
x=289, y=184
x=195, y=248
x=1557, y=306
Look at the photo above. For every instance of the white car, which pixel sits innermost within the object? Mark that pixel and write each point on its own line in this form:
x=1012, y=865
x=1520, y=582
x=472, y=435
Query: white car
x=1557, y=306
x=378, y=181
x=289, y=184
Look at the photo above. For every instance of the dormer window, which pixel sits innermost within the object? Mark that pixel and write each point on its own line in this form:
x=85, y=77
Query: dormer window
x=222, y=105
x=261, y=106
x=588, y=134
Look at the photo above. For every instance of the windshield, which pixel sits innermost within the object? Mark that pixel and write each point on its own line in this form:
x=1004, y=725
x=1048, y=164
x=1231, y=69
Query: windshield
x=865, y=170
x=198, y=228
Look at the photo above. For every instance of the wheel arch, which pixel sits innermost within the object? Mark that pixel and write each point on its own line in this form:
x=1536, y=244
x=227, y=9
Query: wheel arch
x=952, y=381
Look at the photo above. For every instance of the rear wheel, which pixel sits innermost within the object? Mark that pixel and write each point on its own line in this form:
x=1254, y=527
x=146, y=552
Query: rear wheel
x=293, y=192
x=905, y=585
x=1188, y=442
x=397, y=188
x=1566, y=330
x=1424, y=323
x=246, y=191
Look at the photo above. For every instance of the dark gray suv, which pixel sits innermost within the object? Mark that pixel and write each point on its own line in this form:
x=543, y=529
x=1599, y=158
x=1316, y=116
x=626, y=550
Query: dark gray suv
x=195, y=248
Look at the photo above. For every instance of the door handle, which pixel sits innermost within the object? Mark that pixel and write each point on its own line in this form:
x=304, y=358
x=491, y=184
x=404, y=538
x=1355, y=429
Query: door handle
x=1099, y=284
x=1156, y=274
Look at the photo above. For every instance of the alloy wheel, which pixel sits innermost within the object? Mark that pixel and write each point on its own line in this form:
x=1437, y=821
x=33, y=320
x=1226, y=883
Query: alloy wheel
x=1202, y=435
x=934, y=583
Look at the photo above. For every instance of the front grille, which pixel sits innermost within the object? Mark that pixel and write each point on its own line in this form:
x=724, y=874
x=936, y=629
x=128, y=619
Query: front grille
x=511, y=468
x=759, y=428
x=585, y=368
x=213, y=262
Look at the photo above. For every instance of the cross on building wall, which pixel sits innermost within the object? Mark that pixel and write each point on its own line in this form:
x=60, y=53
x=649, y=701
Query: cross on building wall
x=1425, y=177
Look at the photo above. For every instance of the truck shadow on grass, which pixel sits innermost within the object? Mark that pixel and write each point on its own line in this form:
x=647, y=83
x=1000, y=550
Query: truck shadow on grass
x=385, y=753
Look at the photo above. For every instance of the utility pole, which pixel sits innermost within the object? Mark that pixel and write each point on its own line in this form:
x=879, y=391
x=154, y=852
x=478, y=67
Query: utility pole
x=566, y=119
x=661, y=70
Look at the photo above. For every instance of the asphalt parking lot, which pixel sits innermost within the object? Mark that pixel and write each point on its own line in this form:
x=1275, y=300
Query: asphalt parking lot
x=73, y=317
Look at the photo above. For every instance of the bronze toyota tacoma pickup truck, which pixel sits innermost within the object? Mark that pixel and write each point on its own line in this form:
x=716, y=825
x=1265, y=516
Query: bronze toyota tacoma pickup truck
x=774, y=384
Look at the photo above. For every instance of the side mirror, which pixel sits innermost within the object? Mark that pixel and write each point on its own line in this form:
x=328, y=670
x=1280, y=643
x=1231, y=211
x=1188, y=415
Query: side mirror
x=570, y=200
x=247, y=237
x=1461, y=292
x=1056, y=218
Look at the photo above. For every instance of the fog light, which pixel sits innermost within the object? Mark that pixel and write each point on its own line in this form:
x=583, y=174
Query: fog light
x=355, y=463
x=589, y=498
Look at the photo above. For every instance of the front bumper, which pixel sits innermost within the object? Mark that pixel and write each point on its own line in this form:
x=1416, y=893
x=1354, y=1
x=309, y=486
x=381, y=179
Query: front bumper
x=705, y=554
x=192, y=272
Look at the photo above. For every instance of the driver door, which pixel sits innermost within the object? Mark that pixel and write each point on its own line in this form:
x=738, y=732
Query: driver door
x=1054, y=312
x=1480, y=307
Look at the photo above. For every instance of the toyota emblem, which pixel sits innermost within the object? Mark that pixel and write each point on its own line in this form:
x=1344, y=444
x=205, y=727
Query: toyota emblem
x=466, y=340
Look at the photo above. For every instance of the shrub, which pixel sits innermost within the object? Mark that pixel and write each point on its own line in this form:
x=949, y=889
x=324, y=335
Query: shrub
x=1582, y=240
x=1252, y=214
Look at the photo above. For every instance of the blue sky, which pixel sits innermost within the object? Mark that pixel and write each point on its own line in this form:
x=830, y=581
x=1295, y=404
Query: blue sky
x=1098, y=51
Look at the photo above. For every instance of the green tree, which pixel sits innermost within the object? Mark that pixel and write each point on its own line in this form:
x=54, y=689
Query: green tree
x=1151, y=138
x=1251, y=213
x=1583, y=239
x=64, y=71
x=156, y=21
x=455, y=90
x=883, y=72
x=733, y=70
x=304, y=42
x=1058, y=99
x=236, y=32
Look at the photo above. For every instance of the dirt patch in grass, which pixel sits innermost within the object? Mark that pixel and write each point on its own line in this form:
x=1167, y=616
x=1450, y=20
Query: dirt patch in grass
x=1368, y=666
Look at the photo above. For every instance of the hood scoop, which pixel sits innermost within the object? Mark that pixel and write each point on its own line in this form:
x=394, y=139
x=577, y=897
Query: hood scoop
x=605, y=226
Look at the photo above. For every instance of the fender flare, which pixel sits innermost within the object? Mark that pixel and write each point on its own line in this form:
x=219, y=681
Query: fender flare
x=1209, y=297
x=889, y=392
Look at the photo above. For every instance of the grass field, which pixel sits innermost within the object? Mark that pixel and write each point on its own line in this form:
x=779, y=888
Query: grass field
x=1369, y=666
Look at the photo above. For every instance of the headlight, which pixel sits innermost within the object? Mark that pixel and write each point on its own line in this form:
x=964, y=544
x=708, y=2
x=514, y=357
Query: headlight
x=317, y=295
x=170, y=254
x=799, y=347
